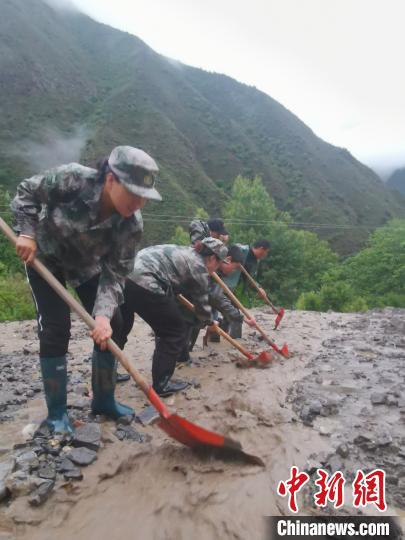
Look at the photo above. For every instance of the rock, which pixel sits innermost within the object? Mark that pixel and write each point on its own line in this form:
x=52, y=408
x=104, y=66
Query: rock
x=53, y=447
x=306, y=415
x=27, y=461
x=28, y=431
x=47, y=472
x=343, y=450
x=6, y=468
x=378, y=398
x=315, y=407
x=73, y=474
x=43, y=432
x=81, y=390
x=130, y=434
x=324, y=431
x=383, y=439
x=147, y=415
x=65, y=465
x=391, y=401
x=125, y=420
x=20, y=400
x=82, y=456
x=6, y=399
x=79, y=404
x=20, y=483
x=41, y=494
x=88, y=436
x=362, y=438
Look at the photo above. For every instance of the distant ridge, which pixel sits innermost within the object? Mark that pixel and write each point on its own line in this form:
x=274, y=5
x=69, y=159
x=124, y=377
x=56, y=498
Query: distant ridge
x=397, y=180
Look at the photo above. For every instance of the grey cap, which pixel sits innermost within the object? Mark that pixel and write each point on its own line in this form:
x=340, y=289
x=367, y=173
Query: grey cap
x=136, y=170
x=216, y=246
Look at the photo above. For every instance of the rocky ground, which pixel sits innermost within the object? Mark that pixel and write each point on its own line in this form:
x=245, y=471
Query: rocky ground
x=337, y=403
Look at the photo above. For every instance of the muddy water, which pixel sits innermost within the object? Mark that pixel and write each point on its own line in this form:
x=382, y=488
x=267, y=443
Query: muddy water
x=299, y=411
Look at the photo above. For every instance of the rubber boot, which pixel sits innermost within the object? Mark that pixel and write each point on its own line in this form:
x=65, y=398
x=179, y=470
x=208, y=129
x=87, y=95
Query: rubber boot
x=54, y=376
x=103, y=381
x=167, y=386
x=235, y=329
x=195, y=331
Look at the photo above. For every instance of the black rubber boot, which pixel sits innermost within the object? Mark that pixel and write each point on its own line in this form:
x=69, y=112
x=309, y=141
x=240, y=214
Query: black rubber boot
x=168, y=386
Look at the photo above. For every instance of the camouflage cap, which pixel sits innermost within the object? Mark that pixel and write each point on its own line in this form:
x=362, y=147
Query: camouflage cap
x=217, y=247
x=136, y=170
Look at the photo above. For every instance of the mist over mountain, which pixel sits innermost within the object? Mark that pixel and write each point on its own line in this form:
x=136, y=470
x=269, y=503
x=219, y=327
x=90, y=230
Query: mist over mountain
x=72, y=88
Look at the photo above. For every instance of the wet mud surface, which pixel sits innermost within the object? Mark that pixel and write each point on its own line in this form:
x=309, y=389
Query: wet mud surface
x=337, y=403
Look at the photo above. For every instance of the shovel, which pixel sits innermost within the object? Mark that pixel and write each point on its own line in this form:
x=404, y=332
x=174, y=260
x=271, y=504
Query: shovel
x=262, y=358
x=284, y=349
x=175, y=426
x=278, y=312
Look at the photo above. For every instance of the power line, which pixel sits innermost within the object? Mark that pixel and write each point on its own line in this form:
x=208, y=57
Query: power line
x=172, y=219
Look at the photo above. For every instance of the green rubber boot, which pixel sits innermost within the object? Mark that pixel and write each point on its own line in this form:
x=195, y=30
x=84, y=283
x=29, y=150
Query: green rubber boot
x=103, y=381
x=54, y=376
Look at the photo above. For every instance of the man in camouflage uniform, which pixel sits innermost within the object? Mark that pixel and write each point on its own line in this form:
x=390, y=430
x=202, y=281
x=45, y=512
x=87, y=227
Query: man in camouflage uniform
x=161, y=273
x=84, y=225
x=252, y=255
x=199, y=229
x=215, y=228
x=219, y=301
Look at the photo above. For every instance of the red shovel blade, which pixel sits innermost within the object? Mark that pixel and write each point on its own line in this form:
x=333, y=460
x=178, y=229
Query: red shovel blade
x=280, y=315
x=284, y=351
x=265, y=357
x=201, y=439
x=195, y=436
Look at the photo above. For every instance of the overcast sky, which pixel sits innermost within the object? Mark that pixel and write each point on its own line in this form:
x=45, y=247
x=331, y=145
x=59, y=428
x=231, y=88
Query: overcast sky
x=337, y=64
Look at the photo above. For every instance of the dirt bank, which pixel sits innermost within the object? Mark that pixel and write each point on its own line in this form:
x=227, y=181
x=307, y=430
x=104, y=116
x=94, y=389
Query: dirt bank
x=337, y=403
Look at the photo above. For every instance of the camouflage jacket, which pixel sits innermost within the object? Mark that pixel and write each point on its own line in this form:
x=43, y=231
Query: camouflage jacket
x=220, y=302
x=198, y=229
x=171, y=270
x=59, y=208
x=250, y=263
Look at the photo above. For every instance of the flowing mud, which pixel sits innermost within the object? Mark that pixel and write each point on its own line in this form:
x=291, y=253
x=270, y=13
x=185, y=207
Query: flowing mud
x=337, y=403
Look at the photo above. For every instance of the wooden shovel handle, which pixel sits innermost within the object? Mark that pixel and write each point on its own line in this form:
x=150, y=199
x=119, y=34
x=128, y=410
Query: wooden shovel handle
x=218, y=330
x=256, y=286
x=237, y=302
x=79, y=309
x=228, y=291
x=234, y=342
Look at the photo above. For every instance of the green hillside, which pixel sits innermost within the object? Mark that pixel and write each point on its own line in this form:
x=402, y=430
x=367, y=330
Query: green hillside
x=65, y=76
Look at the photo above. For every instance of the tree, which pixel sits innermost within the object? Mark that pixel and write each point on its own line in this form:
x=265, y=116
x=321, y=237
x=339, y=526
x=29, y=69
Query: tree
x=180, y=237
x=297, y=259
x=379, y=269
